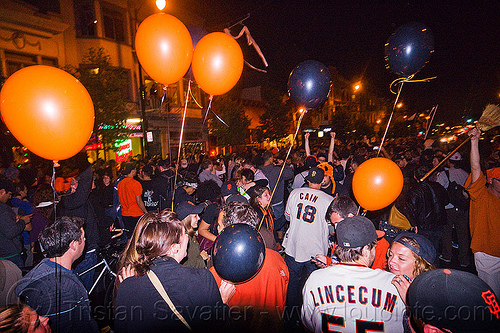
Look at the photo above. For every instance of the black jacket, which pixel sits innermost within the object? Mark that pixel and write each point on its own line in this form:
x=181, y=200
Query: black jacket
x=78, y=204
x=10, y=232
x=193, y=291
x=423, y=205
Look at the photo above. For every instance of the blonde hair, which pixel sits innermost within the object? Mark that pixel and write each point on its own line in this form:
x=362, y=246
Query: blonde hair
x=12, y=319
x=421, y=265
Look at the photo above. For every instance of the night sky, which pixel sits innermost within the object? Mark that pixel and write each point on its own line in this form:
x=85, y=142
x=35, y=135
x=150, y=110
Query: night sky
x=350, y=35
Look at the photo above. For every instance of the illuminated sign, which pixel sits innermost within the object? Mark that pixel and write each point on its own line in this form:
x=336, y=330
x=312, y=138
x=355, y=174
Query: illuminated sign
x=132, y=127
x=124, y=150
x=94, y=146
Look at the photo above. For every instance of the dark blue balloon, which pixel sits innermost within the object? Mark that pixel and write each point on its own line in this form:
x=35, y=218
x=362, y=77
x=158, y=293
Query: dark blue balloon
x=239, y=253
x=309, y=84
x=196, y=33
x=409, y=48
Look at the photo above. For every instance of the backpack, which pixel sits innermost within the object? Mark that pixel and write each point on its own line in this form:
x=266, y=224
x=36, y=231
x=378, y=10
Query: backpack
x=457, y=194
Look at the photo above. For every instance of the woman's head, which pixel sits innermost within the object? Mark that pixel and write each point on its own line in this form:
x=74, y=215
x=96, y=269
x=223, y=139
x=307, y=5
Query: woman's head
x=156, y=235
x=20, y=318
x=411, y=255
x=190, y=223
x=261, y=196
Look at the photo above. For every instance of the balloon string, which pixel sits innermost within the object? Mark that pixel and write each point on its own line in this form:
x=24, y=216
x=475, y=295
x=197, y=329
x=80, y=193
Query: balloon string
x=409, y=80
x=208, y=108
x=180, y=142
x=57, y=271
x=194, y=99
x=53, y=185
x=392, y=113
x=287, y=154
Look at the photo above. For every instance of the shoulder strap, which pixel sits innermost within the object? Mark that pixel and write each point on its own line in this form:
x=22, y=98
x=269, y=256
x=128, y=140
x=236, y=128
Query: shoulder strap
x=159, y=287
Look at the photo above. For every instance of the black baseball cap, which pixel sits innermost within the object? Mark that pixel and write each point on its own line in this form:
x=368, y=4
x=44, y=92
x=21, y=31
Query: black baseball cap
x=186, y=208
x=356, y=231
x=426, y=251
x=455, y=300
x=315, y=175
x=310, y=161
x=229, y=187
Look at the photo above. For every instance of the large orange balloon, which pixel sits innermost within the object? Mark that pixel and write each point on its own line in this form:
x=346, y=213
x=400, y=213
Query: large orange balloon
x=164, y=47
x=217, y=63
x=377, y=183
x=48, y=110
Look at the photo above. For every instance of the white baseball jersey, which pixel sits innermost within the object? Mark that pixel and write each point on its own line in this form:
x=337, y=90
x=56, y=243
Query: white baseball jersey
x=348, y=298
x=308, y=232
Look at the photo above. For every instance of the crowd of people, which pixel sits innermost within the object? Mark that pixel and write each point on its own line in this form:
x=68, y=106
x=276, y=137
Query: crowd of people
x=429, y=262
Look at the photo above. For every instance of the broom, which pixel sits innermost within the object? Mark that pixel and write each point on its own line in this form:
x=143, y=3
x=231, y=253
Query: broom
x=489, y=119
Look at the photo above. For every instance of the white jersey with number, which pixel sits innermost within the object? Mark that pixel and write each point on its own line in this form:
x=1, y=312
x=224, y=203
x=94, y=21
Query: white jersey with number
x=346, y=298
x=308, y=232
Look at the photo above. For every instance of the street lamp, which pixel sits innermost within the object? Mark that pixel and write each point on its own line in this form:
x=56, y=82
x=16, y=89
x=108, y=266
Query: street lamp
x=357, y=86
x=161, y=4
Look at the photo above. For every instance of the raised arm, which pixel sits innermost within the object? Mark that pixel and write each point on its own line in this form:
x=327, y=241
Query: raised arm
x=475, y=166
x=306, y=144
x=332, y=145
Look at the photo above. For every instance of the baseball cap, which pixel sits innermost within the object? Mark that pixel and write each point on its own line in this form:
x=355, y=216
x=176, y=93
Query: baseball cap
x=455, y=300
x=310, y=161
x=456, y=157
x=356, y=231
x=315, y=175
x=229, y=187
x=493, y=173
x=186, y=208
x=426, y=251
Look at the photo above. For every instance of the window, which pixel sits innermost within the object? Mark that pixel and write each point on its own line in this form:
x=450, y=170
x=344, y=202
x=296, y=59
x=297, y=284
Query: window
x=15, y=61
x=114, y=24
x=85, y=20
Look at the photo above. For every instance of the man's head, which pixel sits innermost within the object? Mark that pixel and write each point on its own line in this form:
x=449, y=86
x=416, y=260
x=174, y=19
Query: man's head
x=189, y=182
x=447, y=300
x=6, y=189
x=310, y=161
x=207, y=164
x=238, y=212
x=340, y=208
x=315, y=176
x=356, y=240
x=267, y=157
x=493, y=178
x=147, y=171
x=64, y=236
x=128, y=169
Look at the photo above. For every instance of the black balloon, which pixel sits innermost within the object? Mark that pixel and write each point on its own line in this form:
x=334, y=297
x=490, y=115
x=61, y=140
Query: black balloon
x=309, y=84
x=239, y=253
x=196, y=33
x=409, y=48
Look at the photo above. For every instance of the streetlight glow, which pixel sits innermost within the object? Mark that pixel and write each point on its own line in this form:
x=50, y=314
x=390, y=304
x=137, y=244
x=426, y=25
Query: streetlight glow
x=399, y=105
x=357, y=86
x=161, y=4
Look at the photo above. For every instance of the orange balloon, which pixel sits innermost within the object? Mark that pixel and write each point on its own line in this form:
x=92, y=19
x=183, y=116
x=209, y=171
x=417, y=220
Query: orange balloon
x=164, y=47
x=217, y=63
x=377, y=183
x=48, y=110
